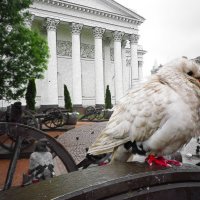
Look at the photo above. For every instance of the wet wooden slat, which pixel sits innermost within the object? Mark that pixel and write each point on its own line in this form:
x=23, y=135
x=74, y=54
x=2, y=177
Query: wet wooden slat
x=127, y=180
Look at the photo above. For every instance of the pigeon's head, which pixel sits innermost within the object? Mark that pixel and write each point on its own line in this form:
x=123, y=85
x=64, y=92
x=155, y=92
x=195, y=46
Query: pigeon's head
x=190, y=68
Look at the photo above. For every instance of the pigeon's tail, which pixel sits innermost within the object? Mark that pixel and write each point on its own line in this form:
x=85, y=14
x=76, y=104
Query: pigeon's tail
x=106, y=146
x=92, y=159
x=105, y=142
x=103, y=154
x=134, y=148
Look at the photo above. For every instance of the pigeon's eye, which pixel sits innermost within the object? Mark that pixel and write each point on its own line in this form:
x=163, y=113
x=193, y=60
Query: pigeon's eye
x=190, y=73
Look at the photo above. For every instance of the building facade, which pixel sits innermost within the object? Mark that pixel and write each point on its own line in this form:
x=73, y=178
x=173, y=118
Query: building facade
x=92, y=44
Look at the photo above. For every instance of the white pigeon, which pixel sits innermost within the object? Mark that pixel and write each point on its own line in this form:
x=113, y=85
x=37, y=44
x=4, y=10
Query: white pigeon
x=155, y=118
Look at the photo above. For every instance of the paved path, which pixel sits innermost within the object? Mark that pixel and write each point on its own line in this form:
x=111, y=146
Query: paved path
x=189, y=152
x=77, y=140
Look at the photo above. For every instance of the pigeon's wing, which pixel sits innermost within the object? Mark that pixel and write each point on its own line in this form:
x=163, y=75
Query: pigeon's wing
x=136, y=117
x=178, y=116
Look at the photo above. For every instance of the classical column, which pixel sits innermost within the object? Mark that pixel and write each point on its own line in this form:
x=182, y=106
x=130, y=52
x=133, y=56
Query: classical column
x=140, y=64
x=118, y=64
x=125, y=72
x=50, y=90
x=134, y=57
x=99, y=80
x=107, y=63
x=76, y=65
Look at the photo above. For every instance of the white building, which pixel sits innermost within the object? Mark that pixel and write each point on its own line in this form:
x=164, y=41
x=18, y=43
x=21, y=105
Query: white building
x=92, y=43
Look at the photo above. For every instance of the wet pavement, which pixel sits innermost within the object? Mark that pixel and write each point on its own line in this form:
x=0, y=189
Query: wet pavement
x=189, y=154
x=77, y=140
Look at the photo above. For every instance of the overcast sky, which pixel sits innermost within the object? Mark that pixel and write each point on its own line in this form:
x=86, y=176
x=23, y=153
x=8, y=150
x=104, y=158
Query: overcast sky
x=171, y=29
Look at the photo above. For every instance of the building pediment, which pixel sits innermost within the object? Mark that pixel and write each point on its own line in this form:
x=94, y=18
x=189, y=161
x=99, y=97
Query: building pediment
x=121, y=10
x=104, y=8
x=108, y=6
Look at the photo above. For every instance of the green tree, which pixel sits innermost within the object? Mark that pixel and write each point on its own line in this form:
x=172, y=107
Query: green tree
x=67, y=99
x=108, y=103
x=23, y=52
x=31, y=94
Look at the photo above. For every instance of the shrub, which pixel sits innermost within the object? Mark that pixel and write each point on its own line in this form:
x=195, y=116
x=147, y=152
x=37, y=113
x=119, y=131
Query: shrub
x=67, y=99
x=108, y=104
x=31, y=94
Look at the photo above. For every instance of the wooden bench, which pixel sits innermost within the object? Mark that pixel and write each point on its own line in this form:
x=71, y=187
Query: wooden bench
x=118, y=181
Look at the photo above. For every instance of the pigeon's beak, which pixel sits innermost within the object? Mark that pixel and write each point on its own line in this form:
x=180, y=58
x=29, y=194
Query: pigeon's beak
x=197, y=78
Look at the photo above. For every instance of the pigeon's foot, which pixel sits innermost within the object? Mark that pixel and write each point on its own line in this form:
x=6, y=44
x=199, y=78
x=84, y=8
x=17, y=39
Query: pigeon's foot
x=161, y=161
x=103, y=163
